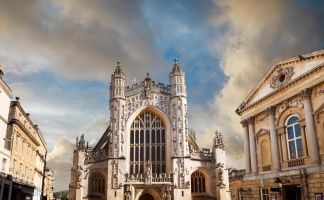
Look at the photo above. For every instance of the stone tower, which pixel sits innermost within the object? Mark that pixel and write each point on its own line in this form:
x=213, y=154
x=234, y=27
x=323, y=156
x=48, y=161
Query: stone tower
x=77, y=171
x=222, y=181
x=117, y=125
x=180, y=151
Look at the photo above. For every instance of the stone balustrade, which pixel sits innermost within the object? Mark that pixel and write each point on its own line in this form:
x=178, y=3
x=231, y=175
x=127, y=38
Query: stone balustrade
x=296, y=162
x=202, y=155
x=144, y=178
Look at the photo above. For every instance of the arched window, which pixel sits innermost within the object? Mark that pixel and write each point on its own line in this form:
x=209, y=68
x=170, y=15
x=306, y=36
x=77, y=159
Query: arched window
x=294, y=138
x=97, y=183
x=198, y=182
x=147, y=144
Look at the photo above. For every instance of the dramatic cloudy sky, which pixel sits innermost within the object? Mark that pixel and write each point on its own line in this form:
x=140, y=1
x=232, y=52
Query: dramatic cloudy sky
x=58, y=56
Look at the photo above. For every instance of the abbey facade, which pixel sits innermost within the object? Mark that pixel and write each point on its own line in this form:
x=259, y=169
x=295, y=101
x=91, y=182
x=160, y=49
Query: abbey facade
x=147, y=152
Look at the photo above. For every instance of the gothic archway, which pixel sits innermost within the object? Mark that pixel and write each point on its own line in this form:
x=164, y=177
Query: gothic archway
x=198, y=182
x=146, y=196
x=147, y=144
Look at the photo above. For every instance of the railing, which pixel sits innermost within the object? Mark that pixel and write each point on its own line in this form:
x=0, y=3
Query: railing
x=201, y=155
x=138, y=87
x=266, y=168
x=236, y=174
x=296, y=162
x=96, y=155
x=144, y=178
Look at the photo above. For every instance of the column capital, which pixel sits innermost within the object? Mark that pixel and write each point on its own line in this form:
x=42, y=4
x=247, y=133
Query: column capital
x=244, y=123
x=306, y=93
x=271, y=110
x=250, y=120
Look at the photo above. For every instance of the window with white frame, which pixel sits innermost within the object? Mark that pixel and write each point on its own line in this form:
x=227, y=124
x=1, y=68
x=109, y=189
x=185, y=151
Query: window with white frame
x=294, y=138
x=264, y=193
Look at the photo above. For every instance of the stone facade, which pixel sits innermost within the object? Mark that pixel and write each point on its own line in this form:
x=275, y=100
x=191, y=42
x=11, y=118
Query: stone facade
x=28, y=153
x=5, y=98
x=147, y=152
x=283, y=131
x=48, y=185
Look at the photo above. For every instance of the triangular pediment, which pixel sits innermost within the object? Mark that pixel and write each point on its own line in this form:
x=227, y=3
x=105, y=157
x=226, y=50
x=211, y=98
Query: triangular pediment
x=281, y=74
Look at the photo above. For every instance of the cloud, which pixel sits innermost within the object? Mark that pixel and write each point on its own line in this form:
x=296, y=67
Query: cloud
x=60, y=161
x=255, y=33
x=76, y=39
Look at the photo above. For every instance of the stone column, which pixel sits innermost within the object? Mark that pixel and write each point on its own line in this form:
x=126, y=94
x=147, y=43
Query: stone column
x=310, y=127
x=274, y=139
x=246, y=147
x=253, y=152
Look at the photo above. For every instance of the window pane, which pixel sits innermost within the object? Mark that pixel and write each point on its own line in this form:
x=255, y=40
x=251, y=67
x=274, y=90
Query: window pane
x=299, y=147
x=163, y=137
x=158, y=153
x=142, y=137
x=292, y=150
x=132, y=153
x=290, y=131
x=142, y=154
x=292, y=120
x=147, y=137
x=153, y=154
x=158, y=136
x=136, y=137
x=132, y=137
x=147, y=153
x=153, y=136
x=297, y=130
x=136, y=153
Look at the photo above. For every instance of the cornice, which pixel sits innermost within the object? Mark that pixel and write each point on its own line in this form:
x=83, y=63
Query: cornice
x=18, y=105
x=18, y=123
x=3, y=119
x=285, y=87
x=6, y=88
x=35, y=127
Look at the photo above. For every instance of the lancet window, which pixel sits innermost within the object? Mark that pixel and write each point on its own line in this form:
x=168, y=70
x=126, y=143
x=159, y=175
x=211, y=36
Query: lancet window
x=147, y=144
x=97, y=183
x=198, y=182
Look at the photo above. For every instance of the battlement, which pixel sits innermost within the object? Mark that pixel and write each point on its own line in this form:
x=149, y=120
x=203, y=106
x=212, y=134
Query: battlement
x=140, y=87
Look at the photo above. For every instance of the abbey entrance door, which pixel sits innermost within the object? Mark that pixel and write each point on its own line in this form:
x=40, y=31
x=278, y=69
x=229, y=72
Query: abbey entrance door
x=146, y=197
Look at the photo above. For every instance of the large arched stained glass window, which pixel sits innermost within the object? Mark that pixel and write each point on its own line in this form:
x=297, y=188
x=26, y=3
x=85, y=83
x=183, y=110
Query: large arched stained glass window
x=294, y=138
x=147, y=144
x=97, y=183
x=198, y=182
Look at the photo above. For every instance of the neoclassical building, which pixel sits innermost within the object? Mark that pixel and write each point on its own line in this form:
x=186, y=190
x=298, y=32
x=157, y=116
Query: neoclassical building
x=283, y=131
x=147, y=152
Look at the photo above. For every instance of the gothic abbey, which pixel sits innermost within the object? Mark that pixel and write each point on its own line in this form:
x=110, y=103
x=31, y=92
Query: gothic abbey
x=147, y=152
